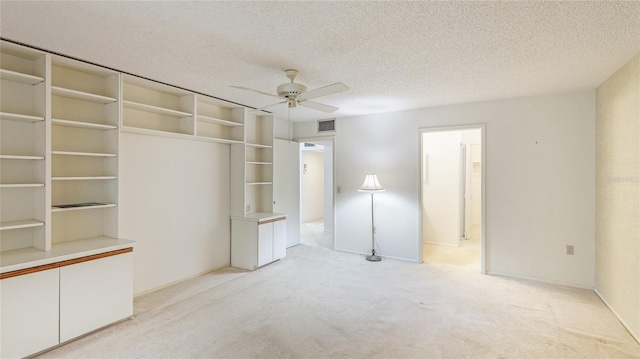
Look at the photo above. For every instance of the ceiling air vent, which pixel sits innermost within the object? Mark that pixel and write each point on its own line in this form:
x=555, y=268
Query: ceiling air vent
x=326, y=126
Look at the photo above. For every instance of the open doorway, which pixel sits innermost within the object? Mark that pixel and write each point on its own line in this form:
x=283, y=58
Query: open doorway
x=451, y=197
x=316, y=193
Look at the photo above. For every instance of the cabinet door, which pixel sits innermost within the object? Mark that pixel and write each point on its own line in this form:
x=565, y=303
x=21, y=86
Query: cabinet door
x=29, y=313
x=279, y=239
x=265, y=243
x=94, y=294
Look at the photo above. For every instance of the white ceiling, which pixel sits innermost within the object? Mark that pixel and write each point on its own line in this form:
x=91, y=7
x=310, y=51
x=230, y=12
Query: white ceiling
x=393, y=55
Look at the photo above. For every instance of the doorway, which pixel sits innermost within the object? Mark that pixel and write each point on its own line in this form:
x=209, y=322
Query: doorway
x=452, y=176
x=316, y=193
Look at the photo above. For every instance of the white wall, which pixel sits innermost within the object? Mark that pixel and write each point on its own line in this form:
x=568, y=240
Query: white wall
x=540, y=187
x=441, y=188
x=618, y=194
x=312, y=185
x=328, y=186
x=174, y=201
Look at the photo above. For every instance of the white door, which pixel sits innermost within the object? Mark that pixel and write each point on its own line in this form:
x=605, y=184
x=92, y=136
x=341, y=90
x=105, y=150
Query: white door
x=29, y=310
x=265, y=244
x=286, y=186
x=279, y=239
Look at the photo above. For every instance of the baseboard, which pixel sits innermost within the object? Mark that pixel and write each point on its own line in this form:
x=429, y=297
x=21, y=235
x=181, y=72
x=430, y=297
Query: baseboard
x=624, y=324
x=154, y=289
x=539, y=280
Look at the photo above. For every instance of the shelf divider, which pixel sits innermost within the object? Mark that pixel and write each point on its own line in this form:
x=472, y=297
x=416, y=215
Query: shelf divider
x=20, y=77
x=79, y=95
x=155, y=109
x=27, y=223
x=19, y=117
x=87, y=154
x=70, y=123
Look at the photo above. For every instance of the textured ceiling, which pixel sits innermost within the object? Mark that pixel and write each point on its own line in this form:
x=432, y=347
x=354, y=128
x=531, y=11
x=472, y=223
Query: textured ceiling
x=393, y=55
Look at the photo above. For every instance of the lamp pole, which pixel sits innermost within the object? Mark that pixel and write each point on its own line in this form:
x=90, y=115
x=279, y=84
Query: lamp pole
x=373, y=257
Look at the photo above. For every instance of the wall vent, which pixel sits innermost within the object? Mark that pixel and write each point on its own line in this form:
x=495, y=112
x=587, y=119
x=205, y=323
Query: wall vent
x=326, y=126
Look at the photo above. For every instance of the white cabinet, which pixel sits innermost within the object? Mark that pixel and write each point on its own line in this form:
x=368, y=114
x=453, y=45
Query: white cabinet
x=257, y=239
x=52, y=303
x=29, y=313
x=86, y=303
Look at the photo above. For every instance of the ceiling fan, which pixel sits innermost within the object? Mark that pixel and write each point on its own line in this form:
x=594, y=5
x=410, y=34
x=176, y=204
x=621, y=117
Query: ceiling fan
x=295, y=94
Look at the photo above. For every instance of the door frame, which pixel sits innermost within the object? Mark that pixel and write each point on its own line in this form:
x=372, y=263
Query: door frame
x=331, y=139
x=483, y=176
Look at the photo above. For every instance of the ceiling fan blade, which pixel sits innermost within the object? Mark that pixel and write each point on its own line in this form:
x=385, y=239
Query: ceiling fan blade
x=318, y=106
x=273, y=104
x=252, y=90
x=325, y=91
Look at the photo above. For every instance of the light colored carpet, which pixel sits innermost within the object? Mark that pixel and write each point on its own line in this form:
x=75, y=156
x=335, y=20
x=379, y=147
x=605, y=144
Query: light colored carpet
x=318, y=303
x=312, y=233
x=466, y=255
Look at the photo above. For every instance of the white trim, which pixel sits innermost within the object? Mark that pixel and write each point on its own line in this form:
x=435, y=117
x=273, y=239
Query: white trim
x=483, y=173
x=624, y=324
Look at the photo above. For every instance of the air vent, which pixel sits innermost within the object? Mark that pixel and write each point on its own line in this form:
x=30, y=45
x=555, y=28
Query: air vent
x=326, y=126
x=307, y=144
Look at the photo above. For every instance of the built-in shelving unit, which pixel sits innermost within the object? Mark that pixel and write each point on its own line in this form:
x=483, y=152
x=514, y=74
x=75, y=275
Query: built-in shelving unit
x=153, y=106
x=252, y=167
x=218, y=121
x=23, y=150
x=84, y=151
x=60, y=125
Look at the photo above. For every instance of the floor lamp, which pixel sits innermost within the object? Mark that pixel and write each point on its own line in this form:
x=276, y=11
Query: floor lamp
x=372, y=185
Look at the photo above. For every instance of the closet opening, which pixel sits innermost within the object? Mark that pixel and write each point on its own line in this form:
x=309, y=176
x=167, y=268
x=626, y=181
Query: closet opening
x=452, y=196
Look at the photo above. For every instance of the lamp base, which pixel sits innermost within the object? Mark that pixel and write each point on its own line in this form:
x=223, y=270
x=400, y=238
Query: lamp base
x=373, y=257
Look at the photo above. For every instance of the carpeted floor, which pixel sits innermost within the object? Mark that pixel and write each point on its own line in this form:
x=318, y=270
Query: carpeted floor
x=312, y=233
x=318, y=303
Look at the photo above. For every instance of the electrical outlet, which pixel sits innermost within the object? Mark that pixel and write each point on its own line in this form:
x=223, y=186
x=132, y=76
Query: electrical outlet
x=248, y=209
x=569, y=249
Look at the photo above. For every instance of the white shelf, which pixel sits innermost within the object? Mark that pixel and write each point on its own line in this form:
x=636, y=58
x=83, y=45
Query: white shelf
x=20, y=77
x=21, y=185
x=218, y=140
x=217, y=121
x=17, y=157
x=155, y=109
x=32, y=257
x=256, y=145
x=83, y=208
x=95, y=126
x=258, y=163
x=83, y=178
x=87, y=154
x=18, y=117
x=79, y=95
x=183, y=136
x=28, y=223
x=258, y=183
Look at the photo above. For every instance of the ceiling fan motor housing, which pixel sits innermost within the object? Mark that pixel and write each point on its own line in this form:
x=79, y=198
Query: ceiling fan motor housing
x=291, y=90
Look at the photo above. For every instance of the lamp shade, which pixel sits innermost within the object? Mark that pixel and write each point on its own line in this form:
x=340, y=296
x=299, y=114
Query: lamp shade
x=371, y=184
